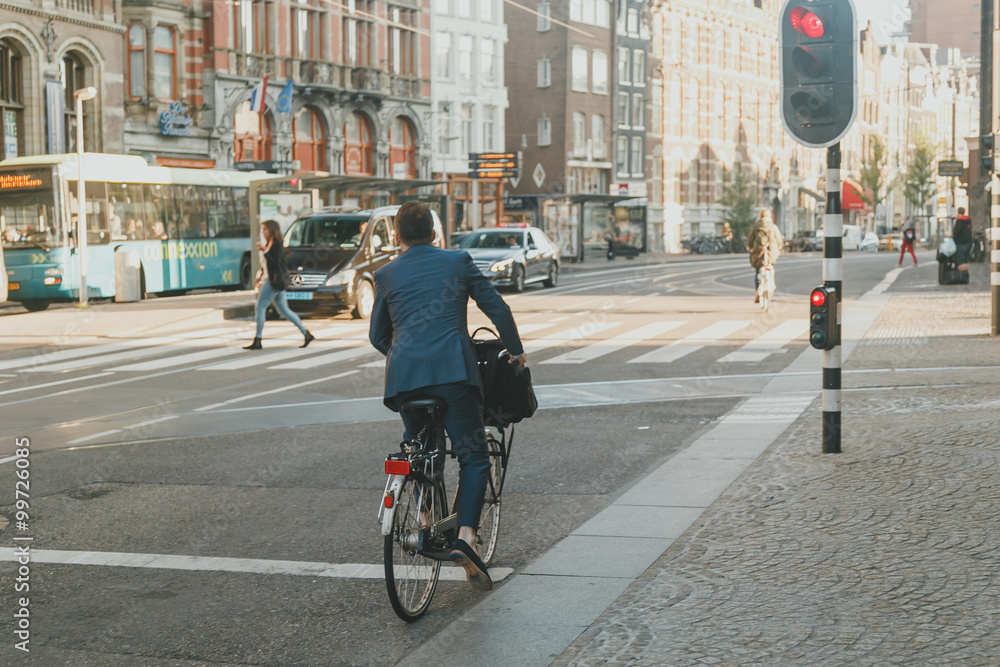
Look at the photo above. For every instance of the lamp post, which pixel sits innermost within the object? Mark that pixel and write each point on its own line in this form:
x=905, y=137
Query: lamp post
x=80, y=95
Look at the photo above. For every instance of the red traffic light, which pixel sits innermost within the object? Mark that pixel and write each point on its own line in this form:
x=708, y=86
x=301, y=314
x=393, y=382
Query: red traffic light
x=818, y=298
x=805, y=22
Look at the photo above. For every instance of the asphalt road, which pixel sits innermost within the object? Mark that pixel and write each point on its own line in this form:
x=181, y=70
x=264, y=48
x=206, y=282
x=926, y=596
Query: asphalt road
x=154, y=433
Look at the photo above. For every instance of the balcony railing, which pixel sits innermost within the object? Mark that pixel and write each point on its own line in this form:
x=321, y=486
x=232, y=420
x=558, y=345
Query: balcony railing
x=249, y=64
x=76, y=6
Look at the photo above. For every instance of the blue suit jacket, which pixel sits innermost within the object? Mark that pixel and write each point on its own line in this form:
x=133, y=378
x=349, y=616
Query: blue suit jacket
x=420, y=322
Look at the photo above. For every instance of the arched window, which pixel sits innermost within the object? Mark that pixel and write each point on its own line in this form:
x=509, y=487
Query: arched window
x=164, y=64
x=357, y=145
x=309, y=143
x=252, y=140
x=75, y=75
x=136, y=61
x=402, y=149
x=11, y=101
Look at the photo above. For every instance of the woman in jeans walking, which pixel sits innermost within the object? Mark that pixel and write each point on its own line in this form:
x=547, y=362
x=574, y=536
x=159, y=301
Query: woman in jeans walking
x=273, y=289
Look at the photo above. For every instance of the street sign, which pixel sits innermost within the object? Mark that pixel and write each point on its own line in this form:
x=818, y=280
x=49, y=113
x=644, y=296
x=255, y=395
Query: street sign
x=951, y=168
x=818, y=40
x=494, y=165
x=270, y=166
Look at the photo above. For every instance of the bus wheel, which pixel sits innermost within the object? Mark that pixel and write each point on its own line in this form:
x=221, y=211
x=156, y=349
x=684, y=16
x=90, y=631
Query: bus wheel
x=246, y=280
x=35, y=305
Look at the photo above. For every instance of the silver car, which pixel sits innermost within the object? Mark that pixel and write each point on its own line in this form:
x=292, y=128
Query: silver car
x=514, y=256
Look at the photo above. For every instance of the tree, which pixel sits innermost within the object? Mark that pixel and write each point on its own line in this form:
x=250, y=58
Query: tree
x=739, y=202
x=920, y=182
x=873, y=174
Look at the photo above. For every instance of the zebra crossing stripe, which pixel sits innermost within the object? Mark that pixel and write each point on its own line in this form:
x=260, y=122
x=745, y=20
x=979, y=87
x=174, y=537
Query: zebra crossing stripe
x=692, y=343
x=564, y=337
x=137, y=349
x=619, y=342
x=344, y=354
x=762, y=347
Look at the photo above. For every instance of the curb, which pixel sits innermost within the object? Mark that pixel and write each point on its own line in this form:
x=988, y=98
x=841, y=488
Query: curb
x=238, y=311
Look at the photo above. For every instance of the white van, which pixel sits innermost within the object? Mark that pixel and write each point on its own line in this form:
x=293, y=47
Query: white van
x=852, y=237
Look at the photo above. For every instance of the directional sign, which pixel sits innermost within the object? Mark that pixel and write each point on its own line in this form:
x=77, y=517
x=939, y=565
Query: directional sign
x=494, y=165
x=951, y=168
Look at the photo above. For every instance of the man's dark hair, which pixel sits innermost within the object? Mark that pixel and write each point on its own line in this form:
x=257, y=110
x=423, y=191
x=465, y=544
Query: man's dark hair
x=961, y=211
x=415, y=223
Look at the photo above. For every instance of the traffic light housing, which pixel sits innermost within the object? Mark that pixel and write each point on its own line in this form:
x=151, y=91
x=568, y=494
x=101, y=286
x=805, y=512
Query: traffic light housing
x=819, y=59
x=823, y=318
x=986, y=152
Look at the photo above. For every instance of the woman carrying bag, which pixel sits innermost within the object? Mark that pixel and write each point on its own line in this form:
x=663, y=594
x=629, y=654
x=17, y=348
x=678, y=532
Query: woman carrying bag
x=272, y=290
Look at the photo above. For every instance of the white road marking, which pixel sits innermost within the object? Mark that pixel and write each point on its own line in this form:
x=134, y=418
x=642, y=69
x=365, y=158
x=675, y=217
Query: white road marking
x=564, y=337
x=44, y=358
x=692, y=343
x=52, y=384
x=247, y=397
x=145, y=348
x=94, y=436
x=764, y=346
x=327, y=359
x=217, y=564
x=619, y=342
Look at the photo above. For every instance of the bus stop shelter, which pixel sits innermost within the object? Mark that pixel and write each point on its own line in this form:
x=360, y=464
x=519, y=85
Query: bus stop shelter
x=288, y=196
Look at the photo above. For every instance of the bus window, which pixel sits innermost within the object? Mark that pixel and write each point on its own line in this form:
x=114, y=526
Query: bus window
x=98, y=231
x=220, y=210
x=156, y=215
x=28, y=219
x=125, y=211
x=192, y=212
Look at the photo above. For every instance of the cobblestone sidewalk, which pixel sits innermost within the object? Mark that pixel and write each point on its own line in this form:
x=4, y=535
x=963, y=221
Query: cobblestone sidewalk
x=885, y=554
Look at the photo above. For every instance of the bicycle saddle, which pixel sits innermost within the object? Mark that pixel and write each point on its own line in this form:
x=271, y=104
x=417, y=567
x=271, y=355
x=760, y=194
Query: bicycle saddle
x=428, y=404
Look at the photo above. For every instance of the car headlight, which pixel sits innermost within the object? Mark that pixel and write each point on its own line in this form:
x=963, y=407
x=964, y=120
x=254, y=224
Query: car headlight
x=502, y=265
x=341, y=278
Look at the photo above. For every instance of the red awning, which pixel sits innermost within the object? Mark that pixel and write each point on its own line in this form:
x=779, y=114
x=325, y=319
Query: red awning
x=850, y=197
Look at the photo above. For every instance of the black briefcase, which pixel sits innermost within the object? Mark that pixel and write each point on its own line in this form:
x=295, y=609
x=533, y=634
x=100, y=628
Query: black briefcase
x=508, y=396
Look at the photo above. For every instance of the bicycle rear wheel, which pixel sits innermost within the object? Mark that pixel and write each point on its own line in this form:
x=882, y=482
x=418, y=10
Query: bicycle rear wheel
x=489, y=521
x=411, y=577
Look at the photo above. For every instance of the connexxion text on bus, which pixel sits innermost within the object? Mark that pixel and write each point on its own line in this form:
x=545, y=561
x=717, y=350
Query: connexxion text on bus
x=191, y=227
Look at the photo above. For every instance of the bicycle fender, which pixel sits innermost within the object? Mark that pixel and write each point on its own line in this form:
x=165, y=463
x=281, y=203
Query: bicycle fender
x=386, y=514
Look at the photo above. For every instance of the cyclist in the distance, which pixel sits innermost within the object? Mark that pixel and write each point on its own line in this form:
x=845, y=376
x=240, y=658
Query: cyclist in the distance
x=419, y=321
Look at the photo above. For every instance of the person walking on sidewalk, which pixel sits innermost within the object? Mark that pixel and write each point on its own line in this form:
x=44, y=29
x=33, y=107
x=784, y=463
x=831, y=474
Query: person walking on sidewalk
x=961, y=233
x=272, y=290
x=764, y=243
x=909, y=239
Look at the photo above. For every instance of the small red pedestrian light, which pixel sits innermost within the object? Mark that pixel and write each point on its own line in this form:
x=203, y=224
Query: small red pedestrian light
x=818, y=298
x=805, y=22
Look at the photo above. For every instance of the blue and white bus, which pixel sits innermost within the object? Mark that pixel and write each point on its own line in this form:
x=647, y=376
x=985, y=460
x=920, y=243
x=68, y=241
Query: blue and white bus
x=191, y=227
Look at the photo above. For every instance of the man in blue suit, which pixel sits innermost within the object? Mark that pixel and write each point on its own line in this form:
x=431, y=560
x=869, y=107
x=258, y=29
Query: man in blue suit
x=419, y=321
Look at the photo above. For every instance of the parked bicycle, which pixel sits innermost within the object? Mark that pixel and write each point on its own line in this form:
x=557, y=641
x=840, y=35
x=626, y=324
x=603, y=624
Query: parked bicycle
x=417, y=524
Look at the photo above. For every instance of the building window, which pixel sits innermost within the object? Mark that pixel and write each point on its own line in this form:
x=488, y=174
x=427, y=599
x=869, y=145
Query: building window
x=621, y=156
x=307, y=32
x=465, y=8
x=309, y=140
x=467, y=133
x=594, y=12
x=600, y=74
x=638, y=110
x=623, y=117
x=579, y=134
x=402, y=149
x=403, y=43
x=465, y=61
x=579, y=69
x=544, y=131
x=487, y=11
x=597, y=136
x=575, y=10
x=632, y=24
x=544, y=23
x=11, y=101
x=489, y=128
x=544, y=72
x=639, y=67
x=602, y=13
x=74, y=76
x=445, y=135
x=251, y=26
x=164, y=64
x=624, y=71
x=637, y=156
x=136, y=61
x=443, y=6
x=359, y=33
x=487, y=60
x=252, y=140
x=443, y=48
x=357, y=145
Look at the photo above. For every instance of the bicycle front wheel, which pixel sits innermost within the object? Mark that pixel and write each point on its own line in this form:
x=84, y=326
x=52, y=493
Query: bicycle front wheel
x=411, y=577
x=489, y=521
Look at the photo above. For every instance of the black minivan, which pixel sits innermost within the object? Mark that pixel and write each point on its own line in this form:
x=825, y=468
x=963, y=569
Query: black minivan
x=331, y=257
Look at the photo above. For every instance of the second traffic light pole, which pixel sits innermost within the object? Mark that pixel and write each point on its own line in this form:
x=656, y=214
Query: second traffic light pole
x=833, y=276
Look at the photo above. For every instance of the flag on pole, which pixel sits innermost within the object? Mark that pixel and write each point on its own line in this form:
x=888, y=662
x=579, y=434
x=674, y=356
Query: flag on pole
x=257, y=96
x=285, y=98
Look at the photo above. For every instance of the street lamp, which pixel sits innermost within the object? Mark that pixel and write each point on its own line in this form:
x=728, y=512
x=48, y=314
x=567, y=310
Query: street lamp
x=80, y=95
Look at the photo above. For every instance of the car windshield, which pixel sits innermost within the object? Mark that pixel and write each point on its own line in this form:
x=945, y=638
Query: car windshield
x=493, y=240
x=326, y=232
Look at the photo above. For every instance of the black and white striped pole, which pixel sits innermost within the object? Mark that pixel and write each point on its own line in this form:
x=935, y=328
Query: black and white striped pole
x=833, y=277
x=994, y=240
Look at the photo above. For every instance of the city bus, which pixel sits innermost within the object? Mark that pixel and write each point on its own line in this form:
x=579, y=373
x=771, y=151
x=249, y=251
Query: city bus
x=190, y=227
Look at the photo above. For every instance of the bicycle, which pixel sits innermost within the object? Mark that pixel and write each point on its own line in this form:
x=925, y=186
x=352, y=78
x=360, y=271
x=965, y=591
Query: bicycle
x=765, y=286
x=418, y=536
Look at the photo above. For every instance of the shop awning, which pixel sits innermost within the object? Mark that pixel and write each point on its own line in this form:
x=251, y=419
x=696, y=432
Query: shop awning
x=850, y=197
